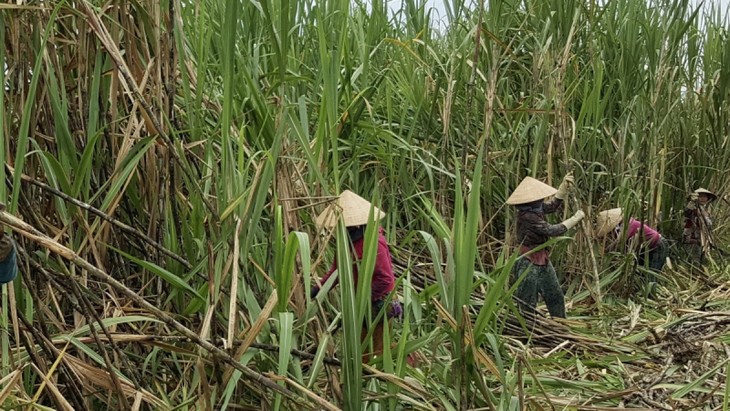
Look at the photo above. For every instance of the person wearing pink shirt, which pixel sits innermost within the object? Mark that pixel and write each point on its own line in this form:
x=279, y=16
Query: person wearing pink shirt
x=383, y=279
x=610, y=223
x=355, y=212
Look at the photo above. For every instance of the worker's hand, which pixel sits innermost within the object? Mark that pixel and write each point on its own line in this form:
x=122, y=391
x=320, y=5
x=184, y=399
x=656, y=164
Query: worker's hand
x=573, y=221
x=396, y=310
x=565, y=185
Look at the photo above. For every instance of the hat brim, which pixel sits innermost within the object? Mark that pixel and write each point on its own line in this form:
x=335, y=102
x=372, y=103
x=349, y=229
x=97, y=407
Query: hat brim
x=353, y=209
x=530, y=190
x=608, y=220
x=707, y=192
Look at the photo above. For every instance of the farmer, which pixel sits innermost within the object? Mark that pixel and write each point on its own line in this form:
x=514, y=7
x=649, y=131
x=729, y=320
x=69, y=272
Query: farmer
x=534, y=268
x=355, y=211
x=698, y=222
x=8, y=259
x=609, y=224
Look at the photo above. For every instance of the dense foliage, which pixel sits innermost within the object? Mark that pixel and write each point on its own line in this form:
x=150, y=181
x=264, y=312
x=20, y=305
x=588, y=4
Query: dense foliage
x=183, y=148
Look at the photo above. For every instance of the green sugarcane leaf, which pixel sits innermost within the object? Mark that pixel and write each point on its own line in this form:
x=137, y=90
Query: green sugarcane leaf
x=177, y=282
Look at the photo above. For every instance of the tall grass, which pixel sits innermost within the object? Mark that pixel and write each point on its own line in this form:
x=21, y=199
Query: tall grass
x=184, y=148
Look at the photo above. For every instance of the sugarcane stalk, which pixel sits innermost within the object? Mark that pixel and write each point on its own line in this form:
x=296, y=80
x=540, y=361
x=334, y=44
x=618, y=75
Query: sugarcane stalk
x=41, y=239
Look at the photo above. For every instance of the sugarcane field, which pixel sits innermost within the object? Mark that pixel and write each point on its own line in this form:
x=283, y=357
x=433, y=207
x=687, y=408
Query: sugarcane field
x=383, y=205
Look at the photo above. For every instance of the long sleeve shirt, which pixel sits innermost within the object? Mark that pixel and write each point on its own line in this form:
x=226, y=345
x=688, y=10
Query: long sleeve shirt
x=695, y=217
x=650, y=234
x=533, y=230
x=383, y=280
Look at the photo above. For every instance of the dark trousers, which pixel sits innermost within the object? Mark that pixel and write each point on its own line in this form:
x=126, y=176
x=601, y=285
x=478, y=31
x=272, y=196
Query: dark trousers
x=538, y=279
x=657, y=256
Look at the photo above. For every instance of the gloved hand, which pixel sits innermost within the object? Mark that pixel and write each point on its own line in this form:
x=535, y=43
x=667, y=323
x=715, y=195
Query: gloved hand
x=313, y=292
x=396, y=310
x=573, y=221
x=564, y=187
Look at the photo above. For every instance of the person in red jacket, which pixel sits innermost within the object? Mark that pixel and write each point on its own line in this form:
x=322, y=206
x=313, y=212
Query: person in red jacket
x=355, y=212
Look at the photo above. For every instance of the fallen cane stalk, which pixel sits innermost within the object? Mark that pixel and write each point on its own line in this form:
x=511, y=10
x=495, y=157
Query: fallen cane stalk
x=32, y=234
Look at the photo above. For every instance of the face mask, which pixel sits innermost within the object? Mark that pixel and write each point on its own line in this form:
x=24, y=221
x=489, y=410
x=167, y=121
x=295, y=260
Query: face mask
x=356, y=233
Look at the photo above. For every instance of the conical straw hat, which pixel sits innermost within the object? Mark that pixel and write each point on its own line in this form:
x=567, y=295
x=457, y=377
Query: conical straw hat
x=706, y=191
x=608, y=220
x=530, y=190
x=353, y=208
